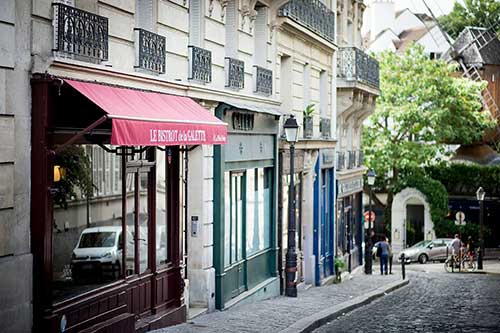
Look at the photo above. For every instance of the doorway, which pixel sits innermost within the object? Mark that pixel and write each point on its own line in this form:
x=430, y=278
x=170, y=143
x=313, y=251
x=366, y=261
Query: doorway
x=414, y=224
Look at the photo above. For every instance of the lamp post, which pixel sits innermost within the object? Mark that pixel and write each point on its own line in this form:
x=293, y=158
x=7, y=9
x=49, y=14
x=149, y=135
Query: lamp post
x=480, y=197
x=368, y=239
x=292, y=134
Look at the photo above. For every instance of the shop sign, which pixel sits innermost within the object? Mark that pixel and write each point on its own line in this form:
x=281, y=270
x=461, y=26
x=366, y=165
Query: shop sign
x=350, y=186
x=242, y=147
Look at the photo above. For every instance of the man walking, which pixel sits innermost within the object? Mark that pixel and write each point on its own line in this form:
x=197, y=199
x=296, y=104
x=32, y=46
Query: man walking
x=384, y=255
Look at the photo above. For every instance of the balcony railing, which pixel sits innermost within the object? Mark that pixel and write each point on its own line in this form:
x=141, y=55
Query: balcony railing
x=235, y=73
x=263, y=80
x=351, y=163
x=340, y=161
x=80, y=33
x=200, y=64
x=313, y=15
x=355, y=65
x=361, y=159
x=324, y=127
x=150, y=49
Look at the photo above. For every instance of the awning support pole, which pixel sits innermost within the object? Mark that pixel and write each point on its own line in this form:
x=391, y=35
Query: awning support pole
x=81, y=133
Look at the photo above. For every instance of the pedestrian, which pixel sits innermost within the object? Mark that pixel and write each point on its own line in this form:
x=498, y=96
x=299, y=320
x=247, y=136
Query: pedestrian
x=456, y=244
x=390, y=254
x=384, y=255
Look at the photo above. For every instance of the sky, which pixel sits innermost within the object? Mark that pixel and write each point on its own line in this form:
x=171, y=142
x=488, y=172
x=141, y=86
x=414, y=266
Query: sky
x=439, y=7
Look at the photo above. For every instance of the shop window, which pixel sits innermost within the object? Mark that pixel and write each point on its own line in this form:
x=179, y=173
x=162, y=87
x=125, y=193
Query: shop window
x=248, y=213
x=162, y=225
x=87, y=223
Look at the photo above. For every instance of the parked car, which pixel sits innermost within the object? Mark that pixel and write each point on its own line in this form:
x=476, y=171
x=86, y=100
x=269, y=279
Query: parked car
x=427, y=250
x=98, y=249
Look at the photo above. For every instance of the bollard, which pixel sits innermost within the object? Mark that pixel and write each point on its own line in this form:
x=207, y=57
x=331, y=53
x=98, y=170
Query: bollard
x=403, y=265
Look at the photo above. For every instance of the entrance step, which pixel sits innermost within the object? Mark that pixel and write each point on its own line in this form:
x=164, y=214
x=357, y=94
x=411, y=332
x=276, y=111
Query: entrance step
x=195, y=312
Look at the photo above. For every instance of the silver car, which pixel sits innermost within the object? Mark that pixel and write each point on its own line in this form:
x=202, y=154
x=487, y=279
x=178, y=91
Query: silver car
x=427, y=250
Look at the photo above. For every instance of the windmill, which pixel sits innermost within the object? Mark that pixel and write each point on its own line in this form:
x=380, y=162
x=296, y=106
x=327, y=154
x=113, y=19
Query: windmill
x=481, y=38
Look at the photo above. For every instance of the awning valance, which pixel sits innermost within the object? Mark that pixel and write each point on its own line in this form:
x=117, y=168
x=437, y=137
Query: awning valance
x=143, y=118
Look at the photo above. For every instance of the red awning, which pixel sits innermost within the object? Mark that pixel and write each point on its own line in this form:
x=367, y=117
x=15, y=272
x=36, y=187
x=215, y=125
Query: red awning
x=141, y=118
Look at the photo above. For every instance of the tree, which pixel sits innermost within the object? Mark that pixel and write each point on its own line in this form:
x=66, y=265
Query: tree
x=422, y=108
x=478, y=13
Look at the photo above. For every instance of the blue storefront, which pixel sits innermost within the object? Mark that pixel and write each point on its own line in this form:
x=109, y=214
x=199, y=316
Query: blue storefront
x=349, y=228
x=324, y=215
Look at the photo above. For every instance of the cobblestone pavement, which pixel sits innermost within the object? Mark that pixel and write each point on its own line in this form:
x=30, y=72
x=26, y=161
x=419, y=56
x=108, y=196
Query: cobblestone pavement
x=434, y=301
x=276, y=314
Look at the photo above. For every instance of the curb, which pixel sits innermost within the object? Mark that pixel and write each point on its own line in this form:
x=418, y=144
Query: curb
x=313, y=322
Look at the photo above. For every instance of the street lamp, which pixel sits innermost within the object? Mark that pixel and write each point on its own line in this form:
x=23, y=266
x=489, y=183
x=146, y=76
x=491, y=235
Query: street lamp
x=368, y=239
x=480, y=197
x=292, y=135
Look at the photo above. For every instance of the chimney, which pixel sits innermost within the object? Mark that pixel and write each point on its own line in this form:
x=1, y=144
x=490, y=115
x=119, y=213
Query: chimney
x=383, y=16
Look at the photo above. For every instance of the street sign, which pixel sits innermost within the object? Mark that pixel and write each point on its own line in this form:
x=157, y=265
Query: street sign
x=460, y=218
x=369, y=216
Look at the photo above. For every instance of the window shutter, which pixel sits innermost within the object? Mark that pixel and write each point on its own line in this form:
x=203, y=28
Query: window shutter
x=196, y=21
x=144, y=12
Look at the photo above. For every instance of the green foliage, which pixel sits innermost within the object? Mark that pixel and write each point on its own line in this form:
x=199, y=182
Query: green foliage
x=436, y=195
x=78, y=175
x=309, y=110
x=465, y=179
x=422, y=107
x=476, y=13
x=339, y=264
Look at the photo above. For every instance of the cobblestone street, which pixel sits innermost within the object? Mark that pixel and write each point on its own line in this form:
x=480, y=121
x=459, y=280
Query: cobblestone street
x=279, y=313
x=434, y=301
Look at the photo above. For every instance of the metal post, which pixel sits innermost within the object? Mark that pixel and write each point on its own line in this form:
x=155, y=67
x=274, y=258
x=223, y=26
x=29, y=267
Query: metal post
x=403, y=262
x=291, y=255
x=481, y=235
x=368, y=240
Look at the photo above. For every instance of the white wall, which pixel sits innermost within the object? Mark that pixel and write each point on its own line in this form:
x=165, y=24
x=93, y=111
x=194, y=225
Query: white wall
x=382, y=16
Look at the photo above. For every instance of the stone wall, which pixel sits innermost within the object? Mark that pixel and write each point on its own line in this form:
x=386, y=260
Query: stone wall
x=15, y=129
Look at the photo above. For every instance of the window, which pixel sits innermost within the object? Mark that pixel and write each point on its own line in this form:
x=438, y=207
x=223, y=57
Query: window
x=232, y=30
x=196, y=22
x=248, y=213
x=162, y=223
x=261, y=37
x=435, y=55
x=87, y=221
x=145, y=14
x=323, y=93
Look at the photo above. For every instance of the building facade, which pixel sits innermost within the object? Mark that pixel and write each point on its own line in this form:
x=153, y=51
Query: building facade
x=357, y=90
x=306, y=67
x=148, y=199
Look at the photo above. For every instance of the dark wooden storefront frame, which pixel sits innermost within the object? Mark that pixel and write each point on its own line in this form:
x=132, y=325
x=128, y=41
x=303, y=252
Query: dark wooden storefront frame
x=139, y=302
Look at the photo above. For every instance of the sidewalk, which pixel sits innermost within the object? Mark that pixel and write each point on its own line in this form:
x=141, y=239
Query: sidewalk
x=308, y=310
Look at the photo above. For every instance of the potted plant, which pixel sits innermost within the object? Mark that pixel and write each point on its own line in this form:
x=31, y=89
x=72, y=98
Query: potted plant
x=339, y=266
x=308, y=121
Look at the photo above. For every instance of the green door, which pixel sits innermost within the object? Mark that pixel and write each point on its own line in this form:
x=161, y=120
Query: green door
x=235, y=232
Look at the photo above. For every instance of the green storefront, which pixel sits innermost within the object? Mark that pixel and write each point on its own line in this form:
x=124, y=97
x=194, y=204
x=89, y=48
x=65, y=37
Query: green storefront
x=245, y=174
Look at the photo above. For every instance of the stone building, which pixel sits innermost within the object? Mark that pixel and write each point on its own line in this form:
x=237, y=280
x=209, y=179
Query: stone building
x=128, y=90
x=357, y=90
x=306, y=69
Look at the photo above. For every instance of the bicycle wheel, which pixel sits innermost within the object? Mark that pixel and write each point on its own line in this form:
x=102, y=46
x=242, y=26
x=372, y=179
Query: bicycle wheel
x=471, y=267
x=448, y=265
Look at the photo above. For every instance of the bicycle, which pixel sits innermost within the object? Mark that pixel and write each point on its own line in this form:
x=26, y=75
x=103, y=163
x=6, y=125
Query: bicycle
x=455, y=262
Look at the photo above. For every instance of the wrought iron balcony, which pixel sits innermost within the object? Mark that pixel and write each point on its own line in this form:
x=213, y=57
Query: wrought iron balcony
x=351, y=163
x=324, y=127
x=200, y=64
x=150, y=49
x=313, y=15
x=80, y=33
x=361, y=159
x=340, y=161
x=263, y=80
x=355, y=65
x=235, y=73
